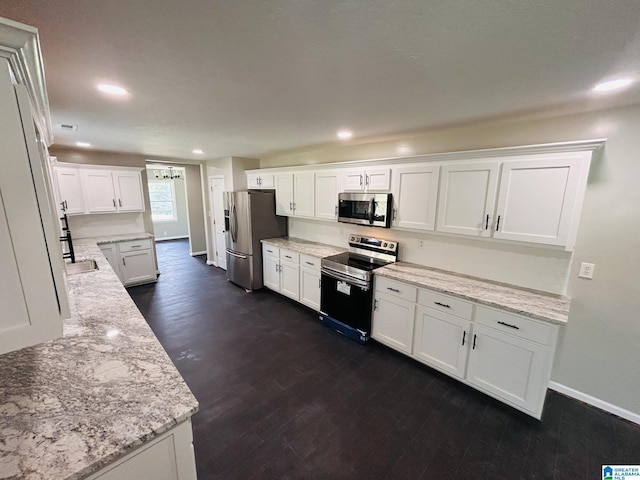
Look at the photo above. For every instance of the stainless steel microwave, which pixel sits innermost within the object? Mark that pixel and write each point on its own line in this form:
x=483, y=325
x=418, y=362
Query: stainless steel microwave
x=373, y=209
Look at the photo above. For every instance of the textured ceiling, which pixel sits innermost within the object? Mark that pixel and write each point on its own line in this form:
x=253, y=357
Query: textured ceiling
x=249, y=77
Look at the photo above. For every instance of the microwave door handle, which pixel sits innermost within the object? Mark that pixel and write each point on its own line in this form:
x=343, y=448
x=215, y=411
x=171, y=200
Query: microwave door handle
x=372, y=207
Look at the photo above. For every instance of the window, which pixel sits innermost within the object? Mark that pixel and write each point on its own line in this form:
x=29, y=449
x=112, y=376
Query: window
x=162, y=197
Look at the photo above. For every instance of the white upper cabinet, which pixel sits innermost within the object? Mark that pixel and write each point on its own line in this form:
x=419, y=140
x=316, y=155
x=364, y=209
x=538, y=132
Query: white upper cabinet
x=467, y=198
x=538, y=198
x=100, y=194
x=327, y=189
x=374, y=179
x=68, y=188
x=415, y=193
x=295, y=194
x=260, y=180
x=128, y=190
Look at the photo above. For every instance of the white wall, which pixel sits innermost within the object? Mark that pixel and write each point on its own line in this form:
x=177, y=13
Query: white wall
x=598, y=350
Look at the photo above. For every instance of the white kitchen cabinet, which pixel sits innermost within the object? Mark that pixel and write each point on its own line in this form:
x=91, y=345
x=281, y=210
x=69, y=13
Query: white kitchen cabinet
x=128, y=191
x=393, y=320
x=373, y=179
x=32, y=290
x=100, y=193
x=327, y=189
x=310, y=282
x=295, y=194
x=271, y=272
x=170, y=456
x=466, y=201
x=538, y=198
x=107, y=190
x=68, y=189
x=260, y=180
x=110, y=252
x=289, y=279
x=415, y=194
x=441, y=341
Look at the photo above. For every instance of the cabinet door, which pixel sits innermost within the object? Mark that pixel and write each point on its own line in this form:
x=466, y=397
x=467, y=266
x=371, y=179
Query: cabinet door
x=304, y=195
x=393, y=322
x=327, y=189
x=415, y=193
x=442, y=341
x=100, y=194
x=537, y=198
x=253, y=180
x=352, y=180
x=137, y=267
x=128, y=189
x=378, y=179
x=271, y=272
x=267, y=180
x=467, y=198
x=110, y=252
x=290, y=280
x=310, y=288
x=284, y=194
x=508, y=367
x=69, y=190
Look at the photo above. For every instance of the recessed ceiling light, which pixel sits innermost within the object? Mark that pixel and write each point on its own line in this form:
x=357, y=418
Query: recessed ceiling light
x=83, y=144
x=611, y=85
x=345, y=134
x=197, y=151
x=404, y=149
x=112, y=89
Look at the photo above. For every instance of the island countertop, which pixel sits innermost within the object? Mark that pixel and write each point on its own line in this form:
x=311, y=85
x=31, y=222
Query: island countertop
x=71, y=406
x=305, y=247
x=535, y=304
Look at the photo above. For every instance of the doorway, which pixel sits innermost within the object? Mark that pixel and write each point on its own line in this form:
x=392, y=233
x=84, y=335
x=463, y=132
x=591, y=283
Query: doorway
x=216, y=184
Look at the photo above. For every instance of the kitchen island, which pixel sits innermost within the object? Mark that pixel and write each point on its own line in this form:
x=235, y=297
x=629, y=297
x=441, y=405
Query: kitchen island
x=75, y=405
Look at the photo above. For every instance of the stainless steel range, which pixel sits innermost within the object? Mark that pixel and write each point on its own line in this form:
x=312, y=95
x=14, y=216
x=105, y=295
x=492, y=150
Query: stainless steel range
x=346, y=301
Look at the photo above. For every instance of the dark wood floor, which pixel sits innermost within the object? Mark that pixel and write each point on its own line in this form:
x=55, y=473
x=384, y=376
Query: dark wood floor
x=281, y=396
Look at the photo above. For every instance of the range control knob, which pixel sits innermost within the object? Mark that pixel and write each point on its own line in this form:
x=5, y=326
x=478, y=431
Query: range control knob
x=392, y=245
x=352, y=239
x=384, y=244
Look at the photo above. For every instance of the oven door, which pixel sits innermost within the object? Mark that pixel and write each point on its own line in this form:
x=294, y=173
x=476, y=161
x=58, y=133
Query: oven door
x=347, y=301
x=373, y=209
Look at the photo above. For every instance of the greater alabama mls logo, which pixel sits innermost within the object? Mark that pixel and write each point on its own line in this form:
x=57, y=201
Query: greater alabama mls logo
x=621, y=472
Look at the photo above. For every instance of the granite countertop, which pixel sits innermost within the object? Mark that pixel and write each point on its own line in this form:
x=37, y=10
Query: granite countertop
x=532, y=303
x=305, y=247
x=123, y=237
x=74, y=405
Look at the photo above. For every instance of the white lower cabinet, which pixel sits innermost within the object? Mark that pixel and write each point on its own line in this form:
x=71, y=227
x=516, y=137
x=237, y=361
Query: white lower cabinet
x=292, y=274
x=168, y=457
x=504, y=355
x=133, y=261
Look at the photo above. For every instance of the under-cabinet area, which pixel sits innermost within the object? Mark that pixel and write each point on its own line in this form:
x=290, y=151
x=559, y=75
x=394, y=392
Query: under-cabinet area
x=504, y=354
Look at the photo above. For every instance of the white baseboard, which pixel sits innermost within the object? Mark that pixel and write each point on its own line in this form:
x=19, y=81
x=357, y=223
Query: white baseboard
x=162, y=239
x=193, y=254
x=596, y=402
x=210, y=262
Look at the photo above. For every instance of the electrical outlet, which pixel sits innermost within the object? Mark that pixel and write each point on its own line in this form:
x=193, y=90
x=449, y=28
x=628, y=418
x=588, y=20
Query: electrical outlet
x=586, y=270
x=420, y=243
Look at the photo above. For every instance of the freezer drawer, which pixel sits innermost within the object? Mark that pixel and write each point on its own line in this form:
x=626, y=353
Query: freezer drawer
x=240, y=269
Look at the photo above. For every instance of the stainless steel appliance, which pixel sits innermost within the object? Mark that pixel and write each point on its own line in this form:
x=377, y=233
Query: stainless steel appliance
x=373, y=209
x=249, y=217
x=346, y=298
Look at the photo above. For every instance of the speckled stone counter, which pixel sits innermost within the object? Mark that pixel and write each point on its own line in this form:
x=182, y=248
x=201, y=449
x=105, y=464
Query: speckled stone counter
x=305, y=247
x=534, y=304
x=74, y=405
x=121, y=237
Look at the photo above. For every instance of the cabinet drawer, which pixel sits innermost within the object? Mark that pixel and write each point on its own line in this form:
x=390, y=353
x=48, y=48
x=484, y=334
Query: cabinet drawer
x=268, y=249
x=397, y=289
x=132, y=245
x=309, y=262
x=289, y=256
x=445, y=303
x=517, y=325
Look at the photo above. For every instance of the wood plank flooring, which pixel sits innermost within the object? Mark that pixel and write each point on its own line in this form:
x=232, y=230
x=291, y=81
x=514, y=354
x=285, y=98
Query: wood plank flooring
x=282, y=397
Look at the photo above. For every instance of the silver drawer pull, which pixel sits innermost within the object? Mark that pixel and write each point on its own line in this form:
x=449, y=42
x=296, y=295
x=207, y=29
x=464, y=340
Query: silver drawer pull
x=393, y=289
x=270, y=251
x=287, y=256
x=442, y=304
x=509, y=325
x=136, y=246
x=310, y=263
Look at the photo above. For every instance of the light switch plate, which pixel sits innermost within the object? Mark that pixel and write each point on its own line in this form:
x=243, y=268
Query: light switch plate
x=586, y=270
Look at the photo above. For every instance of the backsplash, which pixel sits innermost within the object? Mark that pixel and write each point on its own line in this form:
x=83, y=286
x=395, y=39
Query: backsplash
x=539, y=268
x=97, y=225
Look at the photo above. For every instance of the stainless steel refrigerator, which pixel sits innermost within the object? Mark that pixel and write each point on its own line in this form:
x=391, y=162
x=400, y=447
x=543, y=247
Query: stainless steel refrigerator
x=250, y=216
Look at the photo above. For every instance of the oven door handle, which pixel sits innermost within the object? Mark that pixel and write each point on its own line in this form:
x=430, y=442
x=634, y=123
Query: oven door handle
x=345, y=278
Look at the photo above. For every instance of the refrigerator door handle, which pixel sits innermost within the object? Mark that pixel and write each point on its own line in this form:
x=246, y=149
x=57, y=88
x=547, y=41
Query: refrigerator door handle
x=236, y=254
x=234, y=223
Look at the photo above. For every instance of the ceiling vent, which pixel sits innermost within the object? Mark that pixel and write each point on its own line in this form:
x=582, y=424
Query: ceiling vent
x=68, y=127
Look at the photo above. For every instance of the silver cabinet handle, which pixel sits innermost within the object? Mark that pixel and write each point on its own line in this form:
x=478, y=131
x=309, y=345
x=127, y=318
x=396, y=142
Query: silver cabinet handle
x=294, y=206
x=309, y=263
x=393, y=289
x=395, y=213
x=509, y=325
x=123, y=262
x=320, y=283
x=498, y=224
x=288, y=256
x=335, y=212
x=120, y=201
x=136, y=246
x=366, y=180
x=442, y=305
x=360, y=180
x=270, y=251
x=290, y=205
x=114, y=203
